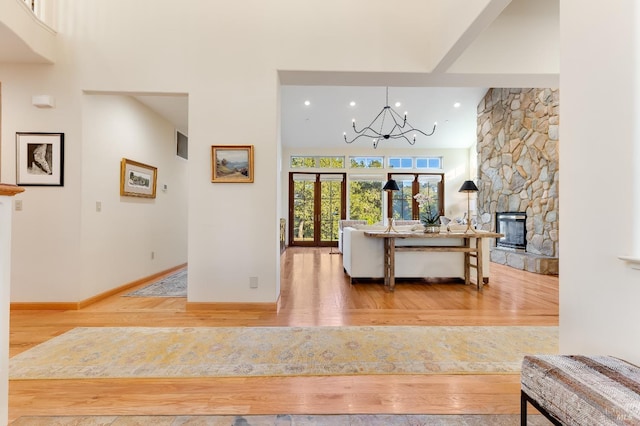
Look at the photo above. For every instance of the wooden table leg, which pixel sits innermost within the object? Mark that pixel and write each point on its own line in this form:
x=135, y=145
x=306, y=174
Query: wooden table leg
x=387, y=257
x=480, y=272
x=467, y=262
x=389, y=263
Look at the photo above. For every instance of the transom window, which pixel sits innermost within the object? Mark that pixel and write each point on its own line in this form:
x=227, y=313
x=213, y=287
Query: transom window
x=317, y=162
x=366, y=162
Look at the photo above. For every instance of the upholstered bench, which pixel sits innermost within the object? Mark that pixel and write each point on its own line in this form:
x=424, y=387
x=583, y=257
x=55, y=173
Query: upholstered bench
x=581, y=390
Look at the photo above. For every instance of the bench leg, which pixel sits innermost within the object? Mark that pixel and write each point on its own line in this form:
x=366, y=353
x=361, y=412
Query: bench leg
x=523, y=409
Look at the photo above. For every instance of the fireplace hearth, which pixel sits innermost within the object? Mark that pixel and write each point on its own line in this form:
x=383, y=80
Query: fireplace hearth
x=513, y=225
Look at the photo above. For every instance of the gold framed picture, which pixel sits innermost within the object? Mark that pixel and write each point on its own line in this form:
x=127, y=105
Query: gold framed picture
x=137, y=179
x=232, y=163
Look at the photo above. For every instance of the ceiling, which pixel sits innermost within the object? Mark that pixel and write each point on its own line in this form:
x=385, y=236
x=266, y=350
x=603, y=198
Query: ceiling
x=504, y=29
x=323, y=122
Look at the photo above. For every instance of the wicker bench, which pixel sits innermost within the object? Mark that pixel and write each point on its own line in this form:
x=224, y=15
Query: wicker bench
x=581, y=390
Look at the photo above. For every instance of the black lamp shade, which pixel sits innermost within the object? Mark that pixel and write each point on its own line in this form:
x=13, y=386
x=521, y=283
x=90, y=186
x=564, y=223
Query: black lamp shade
x=468, y=186
x=391, y=185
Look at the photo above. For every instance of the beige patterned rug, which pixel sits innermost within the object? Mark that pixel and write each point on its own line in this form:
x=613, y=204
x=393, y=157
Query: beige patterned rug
x=160, y=352
x=287, y=420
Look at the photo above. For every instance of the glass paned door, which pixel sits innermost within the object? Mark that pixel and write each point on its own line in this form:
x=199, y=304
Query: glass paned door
x=403, y=204
x=402, y=200
x=303, y=219
x=317, y=203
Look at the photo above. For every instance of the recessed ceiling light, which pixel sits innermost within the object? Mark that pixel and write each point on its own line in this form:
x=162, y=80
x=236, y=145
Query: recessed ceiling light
x=398, y=104
x=352, y=103
x=456, y=105
x=307, y=103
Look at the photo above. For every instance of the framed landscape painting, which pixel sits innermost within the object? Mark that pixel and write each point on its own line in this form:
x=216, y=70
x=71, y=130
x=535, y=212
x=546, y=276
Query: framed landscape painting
x=232, y=163
x=137, y=179
x=39, y=159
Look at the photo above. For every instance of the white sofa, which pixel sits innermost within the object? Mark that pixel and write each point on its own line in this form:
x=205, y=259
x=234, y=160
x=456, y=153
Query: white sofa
x=363, y=257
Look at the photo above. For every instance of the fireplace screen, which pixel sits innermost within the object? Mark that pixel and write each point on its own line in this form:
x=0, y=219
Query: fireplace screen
x=513, y=225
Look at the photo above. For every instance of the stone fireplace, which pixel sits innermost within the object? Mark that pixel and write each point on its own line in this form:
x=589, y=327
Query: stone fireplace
x=517, y=149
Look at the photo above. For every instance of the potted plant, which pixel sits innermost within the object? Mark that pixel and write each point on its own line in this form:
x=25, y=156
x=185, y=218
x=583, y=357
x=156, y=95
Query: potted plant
x=430, y=218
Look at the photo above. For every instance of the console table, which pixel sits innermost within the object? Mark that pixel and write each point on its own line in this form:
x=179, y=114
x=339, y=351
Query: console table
x=470, y=251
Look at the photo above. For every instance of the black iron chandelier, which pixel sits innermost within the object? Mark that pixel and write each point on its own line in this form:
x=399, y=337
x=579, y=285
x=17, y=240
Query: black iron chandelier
x=397, y=127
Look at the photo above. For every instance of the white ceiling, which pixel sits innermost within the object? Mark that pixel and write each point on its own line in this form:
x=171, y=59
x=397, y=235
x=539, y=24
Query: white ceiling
x=173, y=108
x=322, y=123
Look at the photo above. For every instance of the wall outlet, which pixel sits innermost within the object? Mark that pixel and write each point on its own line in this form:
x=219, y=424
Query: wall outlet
x=18, y=205
x=253, y=282
x=153, y=255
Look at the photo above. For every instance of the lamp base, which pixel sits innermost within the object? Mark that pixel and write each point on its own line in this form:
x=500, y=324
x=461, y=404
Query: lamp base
x=390, y=227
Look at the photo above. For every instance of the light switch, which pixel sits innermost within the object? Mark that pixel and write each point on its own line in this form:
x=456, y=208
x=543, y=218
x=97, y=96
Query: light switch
x=98, y=206
x=18, y=205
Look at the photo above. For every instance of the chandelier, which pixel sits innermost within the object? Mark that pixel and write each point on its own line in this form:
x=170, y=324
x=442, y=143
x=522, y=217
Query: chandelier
x=397, y=127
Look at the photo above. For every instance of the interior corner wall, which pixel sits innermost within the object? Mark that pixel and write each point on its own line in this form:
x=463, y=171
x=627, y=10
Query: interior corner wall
x=126, y=238
x=600, y=106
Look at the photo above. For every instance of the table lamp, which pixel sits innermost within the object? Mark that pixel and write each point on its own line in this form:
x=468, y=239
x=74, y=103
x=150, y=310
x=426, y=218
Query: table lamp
x=468, y=186
x=391, y=185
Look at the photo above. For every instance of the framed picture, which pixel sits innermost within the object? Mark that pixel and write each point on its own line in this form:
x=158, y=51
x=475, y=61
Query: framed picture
x=138, y=179
x=232, y=163
x=39, y=159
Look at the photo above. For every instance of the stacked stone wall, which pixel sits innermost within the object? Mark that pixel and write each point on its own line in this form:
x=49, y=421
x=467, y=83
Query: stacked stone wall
x=518, y=162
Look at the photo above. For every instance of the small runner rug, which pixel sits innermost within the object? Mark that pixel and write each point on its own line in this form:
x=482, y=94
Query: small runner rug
x=133, y=352
x=174, y=285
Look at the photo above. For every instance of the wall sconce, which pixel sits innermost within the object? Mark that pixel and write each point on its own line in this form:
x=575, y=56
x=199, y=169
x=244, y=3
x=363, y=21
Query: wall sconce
x=43, y=101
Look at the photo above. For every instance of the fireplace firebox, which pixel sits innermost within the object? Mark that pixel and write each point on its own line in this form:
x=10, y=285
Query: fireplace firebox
x=513, y=225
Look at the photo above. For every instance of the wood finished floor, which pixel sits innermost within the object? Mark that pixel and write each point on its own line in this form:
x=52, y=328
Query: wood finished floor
x=315, y=291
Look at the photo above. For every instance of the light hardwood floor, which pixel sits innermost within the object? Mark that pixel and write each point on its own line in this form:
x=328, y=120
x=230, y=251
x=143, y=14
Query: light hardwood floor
x=315, y=291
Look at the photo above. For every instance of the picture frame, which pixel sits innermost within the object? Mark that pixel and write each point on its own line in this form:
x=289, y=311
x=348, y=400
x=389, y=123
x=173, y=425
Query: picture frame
x=232, y=163
x=39, y=159
x=138, y=179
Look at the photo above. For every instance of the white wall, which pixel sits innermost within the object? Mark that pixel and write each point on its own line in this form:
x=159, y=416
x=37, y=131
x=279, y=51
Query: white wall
x=46, y=233
x=6, y=207
x=600, y=182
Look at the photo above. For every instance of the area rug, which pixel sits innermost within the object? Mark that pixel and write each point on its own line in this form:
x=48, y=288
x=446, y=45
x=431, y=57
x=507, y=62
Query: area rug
x=287, y=420
x=134, y=352
x=174, y=285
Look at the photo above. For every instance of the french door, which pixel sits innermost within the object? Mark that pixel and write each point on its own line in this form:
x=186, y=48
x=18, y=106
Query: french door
x=317, y=201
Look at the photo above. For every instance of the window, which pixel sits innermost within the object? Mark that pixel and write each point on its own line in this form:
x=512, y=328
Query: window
x=331, y=162
x=403, y=205
x=320, y=162
x=365, y=162
x=365, y=197
x=298, y=162
x=401, y=162
x=429, y=163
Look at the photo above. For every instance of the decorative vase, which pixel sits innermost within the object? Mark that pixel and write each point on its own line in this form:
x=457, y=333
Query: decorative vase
x=431, y=229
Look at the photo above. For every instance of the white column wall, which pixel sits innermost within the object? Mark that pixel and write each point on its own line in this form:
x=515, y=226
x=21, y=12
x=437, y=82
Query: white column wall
x=6, y=206
x=599, y=178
